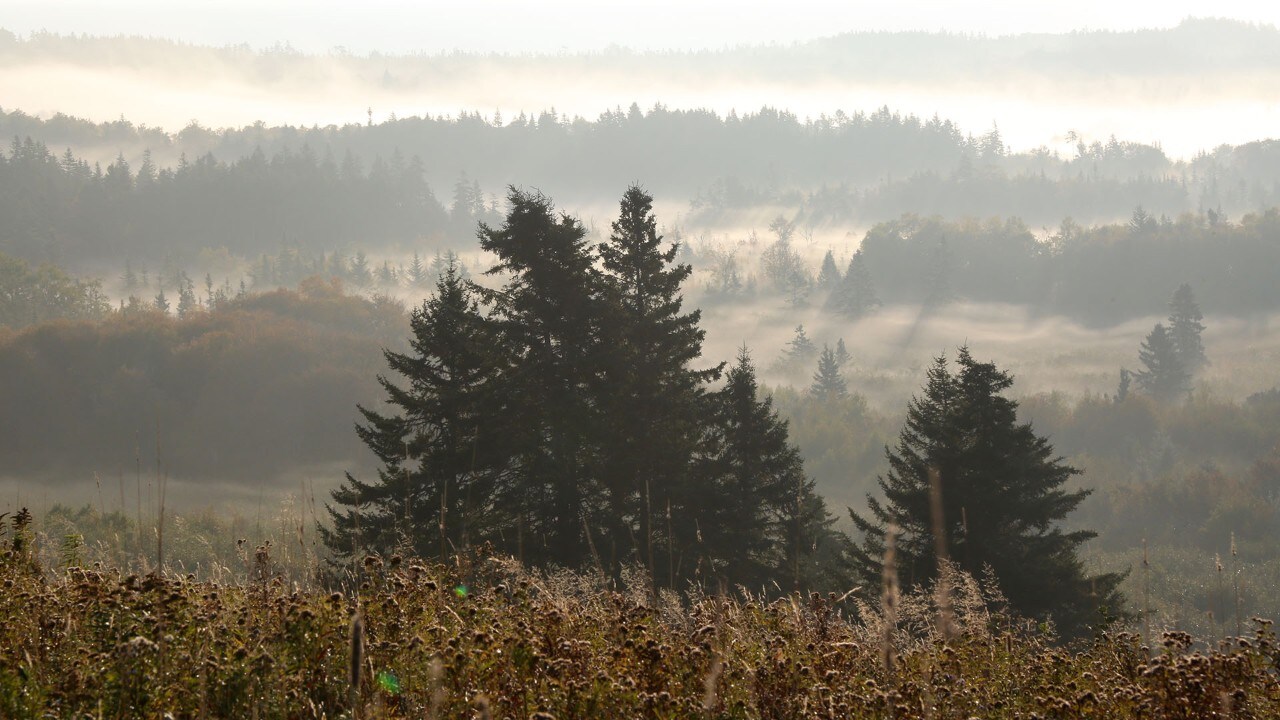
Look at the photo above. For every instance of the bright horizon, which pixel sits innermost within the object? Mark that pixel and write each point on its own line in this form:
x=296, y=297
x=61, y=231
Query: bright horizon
x=388, y=26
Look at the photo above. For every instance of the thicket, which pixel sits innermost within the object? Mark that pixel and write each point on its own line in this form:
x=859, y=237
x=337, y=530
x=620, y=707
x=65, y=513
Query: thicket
x=253, y=387
x=29, y=296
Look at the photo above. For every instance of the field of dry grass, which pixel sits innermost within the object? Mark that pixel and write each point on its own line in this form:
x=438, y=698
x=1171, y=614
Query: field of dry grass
x=483, y=637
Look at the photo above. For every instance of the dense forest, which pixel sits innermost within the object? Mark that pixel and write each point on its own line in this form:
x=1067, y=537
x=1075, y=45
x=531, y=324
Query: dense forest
x=858, y=167
x=318, y=216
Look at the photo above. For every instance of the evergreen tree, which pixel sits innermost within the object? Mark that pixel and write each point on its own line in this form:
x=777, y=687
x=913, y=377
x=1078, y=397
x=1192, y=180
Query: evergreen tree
x=1001, y=494
x=1122, y=389
x=817, y=555
x=1165, y=378
x=146, y=172
x=827, y=382
x=437, y=486
x=548, y=316
x=386, y=275
x=829, y=275
x=1141, y=222
x=467, y=198
x=800, y=350
x=130, y=277
x=160, y=302
x=650, y=397
x=762, y=521
x=448, y=257
x=1185, y=327
x=855, y=295
x=359, y=273
x=187, y=302
x=842, y=354
x=417, y=273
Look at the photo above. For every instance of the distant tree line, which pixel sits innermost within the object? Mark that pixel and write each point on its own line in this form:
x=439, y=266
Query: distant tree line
x=61, y=208
x=836, y=168
x=1083, y=273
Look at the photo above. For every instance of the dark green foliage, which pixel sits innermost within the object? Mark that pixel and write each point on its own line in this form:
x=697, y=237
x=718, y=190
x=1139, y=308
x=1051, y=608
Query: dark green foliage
x=1164, y=376
x=1002, y=498
x=572, y=428
x=763, y=521
x=547, y=320
x=652, y=400
x=827, y=381
x=1185, y=327
x=436, y=489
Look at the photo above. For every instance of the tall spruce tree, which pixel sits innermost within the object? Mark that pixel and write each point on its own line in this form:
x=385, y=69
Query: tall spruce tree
x=761, y=519
x=416, y=275
x=855, y=294
x=828, y=274
x=1003, y=497
x=842, y=353
x=1185, y=327
x=548, y=317
x=650, y=397
x=827, y=381
x=437, y=487
x=1164, y=377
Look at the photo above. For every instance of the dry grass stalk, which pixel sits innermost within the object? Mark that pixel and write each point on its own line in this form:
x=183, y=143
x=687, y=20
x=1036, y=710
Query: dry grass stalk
x=942, y=587
x=889, y=596
x=356, y=666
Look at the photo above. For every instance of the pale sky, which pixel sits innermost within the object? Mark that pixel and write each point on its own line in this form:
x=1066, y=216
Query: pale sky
x=572, y=25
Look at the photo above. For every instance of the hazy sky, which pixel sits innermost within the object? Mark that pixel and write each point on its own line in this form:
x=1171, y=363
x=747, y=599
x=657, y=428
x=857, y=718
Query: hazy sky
x=555, y=25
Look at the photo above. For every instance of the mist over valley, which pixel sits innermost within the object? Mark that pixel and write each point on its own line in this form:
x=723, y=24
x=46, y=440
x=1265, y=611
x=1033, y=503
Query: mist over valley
x=979, y=320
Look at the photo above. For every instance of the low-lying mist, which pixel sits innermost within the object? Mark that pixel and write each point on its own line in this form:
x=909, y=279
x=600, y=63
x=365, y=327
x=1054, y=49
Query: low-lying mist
x=892, y=348
x=1196, y=79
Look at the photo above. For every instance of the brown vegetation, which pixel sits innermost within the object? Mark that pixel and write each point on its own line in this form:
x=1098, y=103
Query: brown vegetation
x=486, y=638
